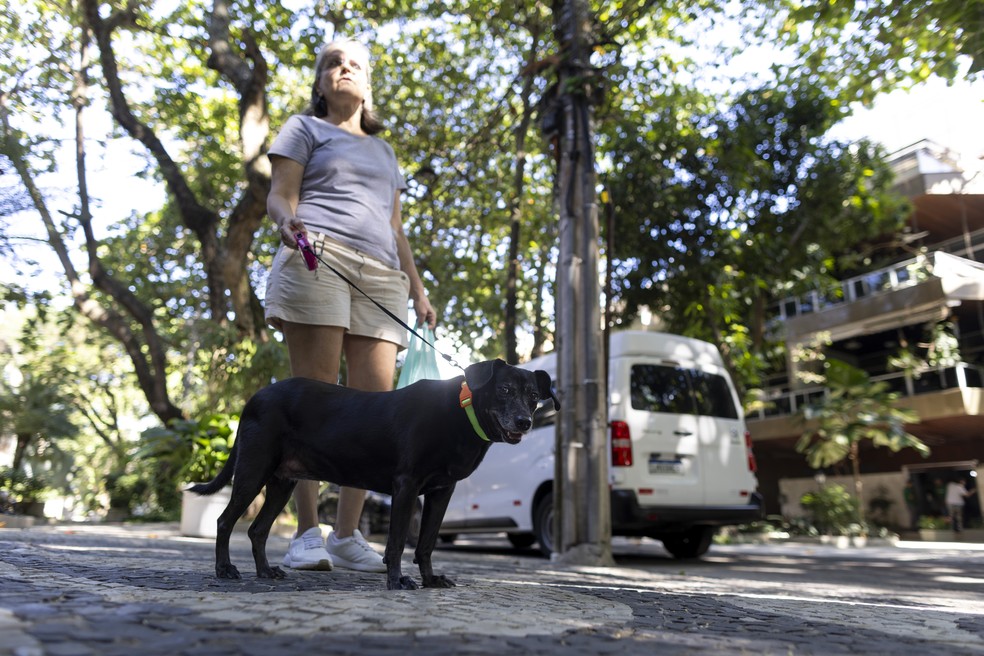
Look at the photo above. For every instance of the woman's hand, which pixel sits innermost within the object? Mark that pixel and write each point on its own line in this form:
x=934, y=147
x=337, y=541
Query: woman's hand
x=290, y=228
x=424, y=311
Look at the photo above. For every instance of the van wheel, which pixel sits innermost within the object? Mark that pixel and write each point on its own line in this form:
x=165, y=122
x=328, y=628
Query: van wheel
x=543, y=524
x=521, y=540
x=692, y=543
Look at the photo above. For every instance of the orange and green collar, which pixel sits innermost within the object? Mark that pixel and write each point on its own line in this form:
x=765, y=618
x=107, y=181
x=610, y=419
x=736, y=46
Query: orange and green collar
x=465, y=400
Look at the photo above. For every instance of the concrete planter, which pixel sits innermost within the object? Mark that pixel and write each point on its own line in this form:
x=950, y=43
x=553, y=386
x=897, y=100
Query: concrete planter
x=199, y=514
x=16, y=521
x=30, y=508
x=844, y=541
x=946, y=535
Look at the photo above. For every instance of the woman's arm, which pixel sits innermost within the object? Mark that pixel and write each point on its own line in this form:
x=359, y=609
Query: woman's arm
x=285, y=192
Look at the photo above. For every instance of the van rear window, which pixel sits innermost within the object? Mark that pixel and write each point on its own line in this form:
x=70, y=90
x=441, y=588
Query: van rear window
x=660, y=388
x=713, y=395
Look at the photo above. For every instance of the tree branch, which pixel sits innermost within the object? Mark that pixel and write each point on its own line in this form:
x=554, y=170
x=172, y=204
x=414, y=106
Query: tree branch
x=201, y=220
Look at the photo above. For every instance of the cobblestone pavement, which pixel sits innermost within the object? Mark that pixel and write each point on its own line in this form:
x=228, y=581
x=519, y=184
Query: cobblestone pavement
x=110, y=589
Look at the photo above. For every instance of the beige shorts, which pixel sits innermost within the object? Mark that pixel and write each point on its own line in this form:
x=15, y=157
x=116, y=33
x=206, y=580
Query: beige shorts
x=321, y=298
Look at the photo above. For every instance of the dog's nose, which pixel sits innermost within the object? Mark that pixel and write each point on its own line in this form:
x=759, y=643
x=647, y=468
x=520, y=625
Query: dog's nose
x=524, y=423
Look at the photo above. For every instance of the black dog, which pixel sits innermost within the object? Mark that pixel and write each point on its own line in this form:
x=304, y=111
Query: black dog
x=412, y=441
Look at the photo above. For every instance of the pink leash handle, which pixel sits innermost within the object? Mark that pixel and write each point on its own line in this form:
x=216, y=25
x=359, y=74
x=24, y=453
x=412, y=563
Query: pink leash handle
x=309, y=258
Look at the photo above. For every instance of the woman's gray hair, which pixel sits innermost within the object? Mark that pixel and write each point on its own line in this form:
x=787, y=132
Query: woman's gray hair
x=319, y=106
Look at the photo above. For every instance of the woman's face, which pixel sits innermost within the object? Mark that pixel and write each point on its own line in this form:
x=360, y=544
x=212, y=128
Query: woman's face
x=344, y=72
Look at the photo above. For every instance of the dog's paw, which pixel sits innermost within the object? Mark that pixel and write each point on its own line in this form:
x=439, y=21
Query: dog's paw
x=439, y=581
x=271, y=573
x=227, y=572
x=405, y=583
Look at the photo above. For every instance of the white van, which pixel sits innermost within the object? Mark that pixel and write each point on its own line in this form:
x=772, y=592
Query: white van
x=680, y=466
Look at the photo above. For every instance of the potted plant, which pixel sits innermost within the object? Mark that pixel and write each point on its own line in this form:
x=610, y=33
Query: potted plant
x=196, y=450
x=934, y=527
x=23, y=492
x=835, y=514
x=124, y=490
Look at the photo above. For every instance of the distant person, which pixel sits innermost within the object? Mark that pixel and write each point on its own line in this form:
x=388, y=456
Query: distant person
x=912, y=504
x=956, y=494
x=939, y=497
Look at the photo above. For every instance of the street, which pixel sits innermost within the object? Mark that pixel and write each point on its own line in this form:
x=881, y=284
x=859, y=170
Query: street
x=112, y=589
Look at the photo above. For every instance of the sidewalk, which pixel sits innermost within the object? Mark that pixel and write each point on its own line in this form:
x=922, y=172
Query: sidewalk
x=102, y=589
x=79, y=590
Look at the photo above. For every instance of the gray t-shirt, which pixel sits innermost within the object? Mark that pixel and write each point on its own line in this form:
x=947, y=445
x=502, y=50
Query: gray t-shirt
x=349, y=184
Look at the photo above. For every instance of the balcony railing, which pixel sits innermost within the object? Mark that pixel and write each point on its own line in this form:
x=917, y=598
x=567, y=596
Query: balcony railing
x=784, y=402
x=897, y=276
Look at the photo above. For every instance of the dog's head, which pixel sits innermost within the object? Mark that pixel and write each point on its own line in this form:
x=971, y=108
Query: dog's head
x=505, y=398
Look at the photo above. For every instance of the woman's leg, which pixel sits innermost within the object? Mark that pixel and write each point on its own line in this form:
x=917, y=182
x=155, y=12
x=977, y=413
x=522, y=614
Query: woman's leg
x=314, y=352
x=371, y=367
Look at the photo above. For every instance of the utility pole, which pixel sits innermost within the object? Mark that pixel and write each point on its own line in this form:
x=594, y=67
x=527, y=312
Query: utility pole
x=582, y=514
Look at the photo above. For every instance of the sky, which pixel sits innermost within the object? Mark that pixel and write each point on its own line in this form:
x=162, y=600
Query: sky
x=952, y=116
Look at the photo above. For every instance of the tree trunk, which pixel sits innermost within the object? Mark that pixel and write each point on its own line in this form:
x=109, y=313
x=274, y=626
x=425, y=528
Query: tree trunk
x=225, y=263
x=581, y=512
x=856, y=470
x=20, y=451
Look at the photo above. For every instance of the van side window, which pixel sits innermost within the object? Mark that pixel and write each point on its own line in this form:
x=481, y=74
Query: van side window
x=545, y=415
x=657, y=388
x=713, y=395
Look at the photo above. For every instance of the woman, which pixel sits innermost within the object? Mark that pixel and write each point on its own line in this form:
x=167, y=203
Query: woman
x=339, y=185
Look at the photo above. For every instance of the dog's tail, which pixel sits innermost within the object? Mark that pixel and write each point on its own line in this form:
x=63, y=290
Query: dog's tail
x=222, y=479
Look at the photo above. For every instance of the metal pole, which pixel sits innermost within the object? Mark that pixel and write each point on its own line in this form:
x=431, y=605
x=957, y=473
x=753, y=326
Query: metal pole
x=582, y=512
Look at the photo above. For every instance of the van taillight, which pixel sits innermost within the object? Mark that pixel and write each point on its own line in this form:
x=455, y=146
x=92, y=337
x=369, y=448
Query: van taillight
x=621, y=444
x=752, y=465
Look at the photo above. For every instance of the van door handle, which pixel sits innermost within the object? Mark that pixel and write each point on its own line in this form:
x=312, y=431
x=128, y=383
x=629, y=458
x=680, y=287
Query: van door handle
x=682, y=433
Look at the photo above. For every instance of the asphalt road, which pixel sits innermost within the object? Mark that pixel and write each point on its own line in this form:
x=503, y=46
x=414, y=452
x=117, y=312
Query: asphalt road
x=79, y=590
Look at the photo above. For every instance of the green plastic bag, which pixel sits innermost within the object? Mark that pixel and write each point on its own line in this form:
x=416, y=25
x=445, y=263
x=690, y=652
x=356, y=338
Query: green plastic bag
x=421, y=360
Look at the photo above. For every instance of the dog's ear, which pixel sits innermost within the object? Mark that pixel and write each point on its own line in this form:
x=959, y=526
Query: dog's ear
x=480, y=373
x=545, y=387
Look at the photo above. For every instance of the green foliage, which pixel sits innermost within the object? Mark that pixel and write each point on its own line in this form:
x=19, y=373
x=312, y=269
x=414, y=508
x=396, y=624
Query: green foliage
x=934, y=522
x=451, y=93
x=855, y=409
x=37, y=411
x=21, y=487
x=125, y=490
x=754, y=187
x=855, y=50
x=194, y=450
x=834, y=511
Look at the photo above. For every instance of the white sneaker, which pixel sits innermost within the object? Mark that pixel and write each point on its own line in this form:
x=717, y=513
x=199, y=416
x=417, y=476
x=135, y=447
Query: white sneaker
x=354, y=553
x=307, y=551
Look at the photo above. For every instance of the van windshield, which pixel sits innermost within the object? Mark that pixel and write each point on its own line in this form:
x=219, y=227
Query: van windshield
x=678, y=390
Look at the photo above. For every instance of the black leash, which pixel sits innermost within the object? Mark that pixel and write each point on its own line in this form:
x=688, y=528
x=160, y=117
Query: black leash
x=306, y=249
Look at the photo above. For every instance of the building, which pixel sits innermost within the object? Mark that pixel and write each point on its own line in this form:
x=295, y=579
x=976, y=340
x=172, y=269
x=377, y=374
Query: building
x=929, y=305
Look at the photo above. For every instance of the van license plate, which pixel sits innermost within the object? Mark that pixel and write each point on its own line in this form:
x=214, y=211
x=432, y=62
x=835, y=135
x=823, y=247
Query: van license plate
x=666, y=467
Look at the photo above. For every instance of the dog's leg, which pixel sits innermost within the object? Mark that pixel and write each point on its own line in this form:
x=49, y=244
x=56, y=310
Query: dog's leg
x=435, y=505
x=278, y=492
x=224, y=569
x=404, y=500
x=242, y=495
